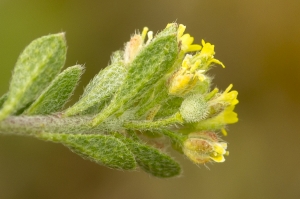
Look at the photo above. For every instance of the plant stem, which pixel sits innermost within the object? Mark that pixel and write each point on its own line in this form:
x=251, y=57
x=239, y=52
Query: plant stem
x=149, y=125
x=34, y=125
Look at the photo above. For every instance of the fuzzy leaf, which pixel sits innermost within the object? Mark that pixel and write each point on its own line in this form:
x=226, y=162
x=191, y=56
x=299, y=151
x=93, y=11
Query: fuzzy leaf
x=154, y=161
x=102, y=149
x=36, y=67
x=153, y=62
x=101, y=88
x=58, y=92
x=169, y=107
x=3, y=99
x=153, y=98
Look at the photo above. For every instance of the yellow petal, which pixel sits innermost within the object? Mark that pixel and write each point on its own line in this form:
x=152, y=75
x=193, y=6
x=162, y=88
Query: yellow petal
x=218, y=158
x=229, y=116
x=181, y=29
x=220, y=148
x=194, y=47
x=187, y=39
x=224, y=132
x=207, y=50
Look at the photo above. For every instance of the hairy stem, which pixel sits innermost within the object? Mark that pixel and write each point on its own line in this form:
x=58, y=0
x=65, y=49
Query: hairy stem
x=149, y=125
x=34, y=125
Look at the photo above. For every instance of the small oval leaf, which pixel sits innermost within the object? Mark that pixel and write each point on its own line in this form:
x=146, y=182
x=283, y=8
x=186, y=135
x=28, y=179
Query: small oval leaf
x=58, y=92
x=102, y=149
x=101, y=88
x=36, y=67
x=154, y=161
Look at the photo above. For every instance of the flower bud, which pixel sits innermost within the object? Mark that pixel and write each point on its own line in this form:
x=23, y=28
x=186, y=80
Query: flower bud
x=194, y=108
x=202, y=147
x=132, y=48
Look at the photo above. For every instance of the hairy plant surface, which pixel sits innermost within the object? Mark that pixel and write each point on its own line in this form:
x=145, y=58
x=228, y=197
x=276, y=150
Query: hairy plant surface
x=154, y=93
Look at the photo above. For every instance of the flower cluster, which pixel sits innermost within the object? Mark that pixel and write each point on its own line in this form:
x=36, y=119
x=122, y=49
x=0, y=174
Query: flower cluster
x=165, y=83
x=204, y=112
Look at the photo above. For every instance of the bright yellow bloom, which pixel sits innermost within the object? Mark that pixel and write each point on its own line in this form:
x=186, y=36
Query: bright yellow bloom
x=193, y=67
x=202, y=147
x=186, y=78
x=186, y=40
x=227, y=116
x=229, y=97
x=226, y=98
x=208, y=50
x=207, y=55
x=181, y=83
x=221, y=110
x=187, y=44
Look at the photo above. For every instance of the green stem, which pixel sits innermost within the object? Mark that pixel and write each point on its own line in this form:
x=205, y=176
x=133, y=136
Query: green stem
x=34, y=125
x=148, y=125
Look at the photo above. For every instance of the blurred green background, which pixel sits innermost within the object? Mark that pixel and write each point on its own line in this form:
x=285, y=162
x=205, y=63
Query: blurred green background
x=257, y=40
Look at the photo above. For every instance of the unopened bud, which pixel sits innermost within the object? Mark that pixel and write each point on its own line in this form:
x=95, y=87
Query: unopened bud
x=202, y=147
x=194, y=108
x=132, y=48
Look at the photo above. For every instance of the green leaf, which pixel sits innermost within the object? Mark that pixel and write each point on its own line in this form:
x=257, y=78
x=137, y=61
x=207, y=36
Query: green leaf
x=58, y=92
x=36, y=67
x=102, y=149
x=3, y=99
x=169, y=107
x=153, y=98
x=152, y=63
x=154, y=161
x=101, y=88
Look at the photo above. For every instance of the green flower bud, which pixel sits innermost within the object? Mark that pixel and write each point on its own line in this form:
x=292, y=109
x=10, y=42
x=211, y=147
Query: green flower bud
x=194, y=108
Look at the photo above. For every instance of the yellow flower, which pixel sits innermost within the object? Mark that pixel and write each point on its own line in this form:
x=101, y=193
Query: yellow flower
x=227, y=116
x=221, y=111
x=208, y=50
x=207, y=55
x=229, y=97
x=186, y=78
x=226, y=98
x=186, y=41
x=202, y=147
x=193, y=67
x=223, y=105
x=181, y=83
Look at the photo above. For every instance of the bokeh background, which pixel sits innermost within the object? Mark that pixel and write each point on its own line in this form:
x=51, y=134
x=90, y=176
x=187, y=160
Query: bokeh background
x=257, y=40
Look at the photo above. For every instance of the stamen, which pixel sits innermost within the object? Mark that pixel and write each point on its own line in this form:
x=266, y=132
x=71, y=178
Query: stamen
x=145, y=30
